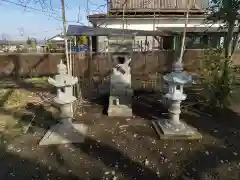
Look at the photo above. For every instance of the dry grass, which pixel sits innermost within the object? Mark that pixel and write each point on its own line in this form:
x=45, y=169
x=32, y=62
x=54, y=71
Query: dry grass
x=14, y=101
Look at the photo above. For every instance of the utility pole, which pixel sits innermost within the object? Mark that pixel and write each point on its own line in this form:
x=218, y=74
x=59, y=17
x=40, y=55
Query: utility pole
x=79, y=10
x=65, y=35
x=87, y=10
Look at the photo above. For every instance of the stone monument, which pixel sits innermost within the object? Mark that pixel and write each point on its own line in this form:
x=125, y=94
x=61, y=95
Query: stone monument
x=120, y=99
x=65, y=131
x=173, y=127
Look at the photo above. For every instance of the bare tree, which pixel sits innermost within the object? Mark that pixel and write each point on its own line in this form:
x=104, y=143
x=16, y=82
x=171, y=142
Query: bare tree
x=65, y=35
x=47, y=6
x=4, y=38
x=188, y=6
x=228, y=13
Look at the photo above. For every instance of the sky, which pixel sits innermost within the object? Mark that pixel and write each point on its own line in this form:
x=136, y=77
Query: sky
x=34, y=20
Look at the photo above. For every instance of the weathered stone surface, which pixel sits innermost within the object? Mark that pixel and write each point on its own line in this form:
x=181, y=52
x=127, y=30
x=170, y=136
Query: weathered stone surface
x=120, y=100
x=64, y=134
x=185, y=132
x=65, y=131
x=173, y=128
x=119, y=110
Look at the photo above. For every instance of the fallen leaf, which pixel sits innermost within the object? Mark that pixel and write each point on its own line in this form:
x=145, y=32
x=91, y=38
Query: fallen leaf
x=146, y=162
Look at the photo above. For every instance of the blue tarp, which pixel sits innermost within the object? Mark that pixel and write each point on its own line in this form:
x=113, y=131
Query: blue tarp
x=81, y=48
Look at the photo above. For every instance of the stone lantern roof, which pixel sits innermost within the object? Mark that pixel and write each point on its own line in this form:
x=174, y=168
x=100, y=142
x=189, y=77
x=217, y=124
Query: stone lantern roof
x=178, y=78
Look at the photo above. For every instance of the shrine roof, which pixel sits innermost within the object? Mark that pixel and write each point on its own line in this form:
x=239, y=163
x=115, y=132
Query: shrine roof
x=78, y=30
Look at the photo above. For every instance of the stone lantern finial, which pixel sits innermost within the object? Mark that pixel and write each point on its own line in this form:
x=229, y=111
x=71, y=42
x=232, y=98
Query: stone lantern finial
x=178, y=66
x=62, y=68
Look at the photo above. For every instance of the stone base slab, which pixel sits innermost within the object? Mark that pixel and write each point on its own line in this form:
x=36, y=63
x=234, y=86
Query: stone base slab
x=64, y=134
x=165, y=131
x=120, y=111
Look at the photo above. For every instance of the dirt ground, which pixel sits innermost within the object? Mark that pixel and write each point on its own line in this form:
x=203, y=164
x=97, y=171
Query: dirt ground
x=119, y=148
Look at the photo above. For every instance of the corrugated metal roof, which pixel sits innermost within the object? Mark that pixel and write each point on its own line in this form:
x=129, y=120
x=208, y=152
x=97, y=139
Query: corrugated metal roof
x=77, y=30
x=156, y=4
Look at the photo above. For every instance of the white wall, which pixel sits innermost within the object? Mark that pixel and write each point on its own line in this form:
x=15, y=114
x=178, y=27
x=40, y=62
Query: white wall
x=57, y=38
x=147, y=24
x=162, y=24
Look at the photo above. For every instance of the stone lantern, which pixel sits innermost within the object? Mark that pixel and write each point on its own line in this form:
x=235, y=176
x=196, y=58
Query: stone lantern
x=65, y=131
x=173, y=127
x=64, y=99
x=175, y=95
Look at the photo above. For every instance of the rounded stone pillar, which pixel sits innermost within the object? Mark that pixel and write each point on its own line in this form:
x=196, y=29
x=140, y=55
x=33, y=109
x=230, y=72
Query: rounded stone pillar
x=174, y=112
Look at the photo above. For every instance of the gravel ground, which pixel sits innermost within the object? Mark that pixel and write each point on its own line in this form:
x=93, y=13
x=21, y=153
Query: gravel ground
x=124, y=148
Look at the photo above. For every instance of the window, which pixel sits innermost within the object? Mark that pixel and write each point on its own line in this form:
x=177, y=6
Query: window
x=168, y=42
x=202, y=40
x=120, y=43
x=196, y=40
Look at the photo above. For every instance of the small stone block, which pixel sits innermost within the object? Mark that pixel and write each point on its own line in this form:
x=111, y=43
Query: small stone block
x=64, y=134
x=119, y=111
x=163, y=132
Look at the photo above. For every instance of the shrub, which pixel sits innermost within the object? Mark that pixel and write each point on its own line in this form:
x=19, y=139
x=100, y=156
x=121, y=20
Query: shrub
x=217, y=77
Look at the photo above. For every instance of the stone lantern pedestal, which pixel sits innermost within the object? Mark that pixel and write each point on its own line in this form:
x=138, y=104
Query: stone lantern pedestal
x=65, y=131
x=173, y=127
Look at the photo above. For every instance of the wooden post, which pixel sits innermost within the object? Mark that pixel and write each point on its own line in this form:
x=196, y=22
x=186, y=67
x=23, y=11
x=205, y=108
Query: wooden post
x=90, y=63
x=154, y=25
x=141, y=46
x=70, y=57
x=145, y=44
x=134, y=44
x=108, y=53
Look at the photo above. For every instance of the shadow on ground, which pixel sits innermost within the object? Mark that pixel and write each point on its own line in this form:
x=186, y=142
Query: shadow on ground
x=43, y=118
x=108, y=155
x=102, y=101
x=144, y=104
x=116, y=160
x=148, y=105
x=203, y=164
x=199, y=163
x=222, y=124
x=14, y=167
x=221, y=131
